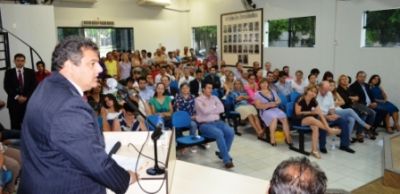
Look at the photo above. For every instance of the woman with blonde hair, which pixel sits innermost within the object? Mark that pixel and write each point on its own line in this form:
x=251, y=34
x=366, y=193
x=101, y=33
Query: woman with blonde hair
x=308, y=113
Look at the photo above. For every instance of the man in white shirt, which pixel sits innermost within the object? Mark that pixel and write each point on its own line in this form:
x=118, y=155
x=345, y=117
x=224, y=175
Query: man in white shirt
x=327, y=105
x=186, y=78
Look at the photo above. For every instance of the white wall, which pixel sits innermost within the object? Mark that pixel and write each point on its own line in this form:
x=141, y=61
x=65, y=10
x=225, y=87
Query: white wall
x=338, y=36
x=35, y=25
x=152, y=25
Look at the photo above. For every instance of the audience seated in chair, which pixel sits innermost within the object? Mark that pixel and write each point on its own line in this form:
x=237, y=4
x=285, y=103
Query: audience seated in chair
x=383, y=104
x=185, y=102
x=245, y=109
x=169, y=89
x=348, y=113
x=361, y=89
x=110, y=111
x=251, y=87
x=298, y=83
x=129, y=120
x=213, y=78
x=283, y=86
x=298, y=175
x=161, y=104
x=145, y=91
x=267, y=102
x=308, y=113
x=195, y=85
x=10, y=158
x=327, y=104
x=228, y=84
x=208, y=108
x=350, y=101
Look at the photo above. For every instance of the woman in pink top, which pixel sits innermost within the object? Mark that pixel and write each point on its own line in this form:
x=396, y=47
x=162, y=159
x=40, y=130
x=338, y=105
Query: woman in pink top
x=251, y=87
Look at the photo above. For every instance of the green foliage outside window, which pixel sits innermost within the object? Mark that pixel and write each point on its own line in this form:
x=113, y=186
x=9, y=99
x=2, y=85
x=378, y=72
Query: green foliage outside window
x=292, y=32
x=204, y=38
x=382, y=28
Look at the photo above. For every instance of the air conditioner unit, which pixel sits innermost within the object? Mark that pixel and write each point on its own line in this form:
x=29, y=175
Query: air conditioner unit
x=161, y=3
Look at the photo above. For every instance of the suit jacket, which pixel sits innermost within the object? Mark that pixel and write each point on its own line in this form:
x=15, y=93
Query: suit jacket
x=214, y=79
x=11, y=85
x=194, y=87
x=355, y=89
x=62, y=147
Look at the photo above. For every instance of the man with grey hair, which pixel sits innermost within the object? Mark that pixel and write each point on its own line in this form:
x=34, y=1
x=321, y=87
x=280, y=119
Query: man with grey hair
x=298, y=175
x=327, y=104
x=62, y=146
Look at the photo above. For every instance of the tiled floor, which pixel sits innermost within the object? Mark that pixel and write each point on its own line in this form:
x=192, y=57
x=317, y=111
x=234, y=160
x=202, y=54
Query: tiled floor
x=259, y=159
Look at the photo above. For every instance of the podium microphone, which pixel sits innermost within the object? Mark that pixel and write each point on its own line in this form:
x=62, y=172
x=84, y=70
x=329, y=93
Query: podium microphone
x=115, y=148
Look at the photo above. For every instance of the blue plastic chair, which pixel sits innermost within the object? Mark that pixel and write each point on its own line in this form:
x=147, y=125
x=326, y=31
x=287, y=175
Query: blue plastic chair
x=294, y=96
x=284, y=101
x=180, y=121
x=302, y=130
x=7, y=176
x=174, y=84
x=231, y=114
x=154, y=119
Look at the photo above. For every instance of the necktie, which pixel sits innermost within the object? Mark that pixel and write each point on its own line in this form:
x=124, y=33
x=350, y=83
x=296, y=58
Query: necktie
x=20, y=80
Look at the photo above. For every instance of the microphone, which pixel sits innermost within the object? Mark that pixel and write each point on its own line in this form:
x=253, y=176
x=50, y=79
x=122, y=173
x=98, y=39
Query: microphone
x=115, y=148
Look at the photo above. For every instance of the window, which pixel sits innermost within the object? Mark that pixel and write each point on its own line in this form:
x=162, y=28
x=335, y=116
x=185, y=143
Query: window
x=382, y=28
x=204, y=38
x=107, y=39
x=292, y=32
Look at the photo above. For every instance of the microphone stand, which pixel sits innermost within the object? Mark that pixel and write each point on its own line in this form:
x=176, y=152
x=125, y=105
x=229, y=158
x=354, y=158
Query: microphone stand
x=156, y=170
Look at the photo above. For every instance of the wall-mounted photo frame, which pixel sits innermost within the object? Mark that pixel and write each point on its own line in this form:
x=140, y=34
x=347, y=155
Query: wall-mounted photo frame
x=244, y=29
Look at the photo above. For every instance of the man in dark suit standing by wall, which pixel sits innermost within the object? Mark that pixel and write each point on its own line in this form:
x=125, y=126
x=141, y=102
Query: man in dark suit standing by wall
x=19, y=83
x=62, y=145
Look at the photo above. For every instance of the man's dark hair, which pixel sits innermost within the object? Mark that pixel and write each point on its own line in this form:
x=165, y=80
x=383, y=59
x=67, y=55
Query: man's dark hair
x=130, y=109
x=327, y=75
x=282, y=74
x=70, y=49
x=199, y=71
x=19, y=55
x=205, y=83
x=142, y=78
x=298, y=175
x=314, y=71
x=40, y=62
x=283, y=68
x=360, y=72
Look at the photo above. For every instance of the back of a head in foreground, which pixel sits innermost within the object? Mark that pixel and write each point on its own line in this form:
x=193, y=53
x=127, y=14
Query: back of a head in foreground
x=298, y=176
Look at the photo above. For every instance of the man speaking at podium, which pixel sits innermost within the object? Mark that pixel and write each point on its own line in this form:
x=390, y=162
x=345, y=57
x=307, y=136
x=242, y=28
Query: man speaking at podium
x=62, y=146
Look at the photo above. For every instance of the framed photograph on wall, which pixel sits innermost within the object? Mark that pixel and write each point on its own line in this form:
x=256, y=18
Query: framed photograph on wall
x=244, y=29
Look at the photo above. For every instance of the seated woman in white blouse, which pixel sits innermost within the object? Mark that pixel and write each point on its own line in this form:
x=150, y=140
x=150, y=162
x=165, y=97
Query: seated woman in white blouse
x=298, y=84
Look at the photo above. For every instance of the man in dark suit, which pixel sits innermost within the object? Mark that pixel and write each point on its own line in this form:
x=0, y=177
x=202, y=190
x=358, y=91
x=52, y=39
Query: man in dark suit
x=366, y=102
x=213, y=78
x=62, y=147
x=195, y=85
x=19, y=83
